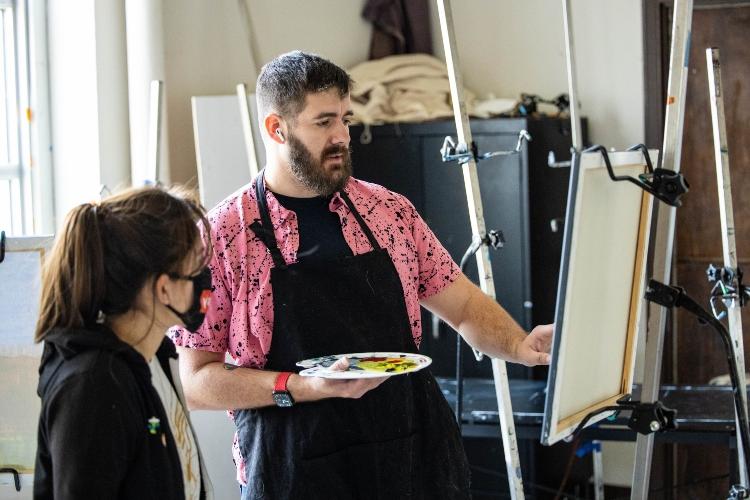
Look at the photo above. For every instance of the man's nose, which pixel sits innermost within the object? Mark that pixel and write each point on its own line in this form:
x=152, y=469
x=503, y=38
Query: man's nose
x=341, y=135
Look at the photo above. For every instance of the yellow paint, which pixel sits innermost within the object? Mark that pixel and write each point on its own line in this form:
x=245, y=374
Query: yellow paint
x=386, y=365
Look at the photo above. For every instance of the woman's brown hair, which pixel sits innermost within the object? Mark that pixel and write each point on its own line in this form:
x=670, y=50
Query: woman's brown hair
x=106, y=251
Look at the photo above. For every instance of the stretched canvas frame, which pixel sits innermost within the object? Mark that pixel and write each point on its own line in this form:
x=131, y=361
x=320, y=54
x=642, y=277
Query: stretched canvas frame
x=602, y=279
x=20, y=287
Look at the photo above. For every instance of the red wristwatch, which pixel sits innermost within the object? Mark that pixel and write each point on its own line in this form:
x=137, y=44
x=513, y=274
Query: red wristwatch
x=281, y=395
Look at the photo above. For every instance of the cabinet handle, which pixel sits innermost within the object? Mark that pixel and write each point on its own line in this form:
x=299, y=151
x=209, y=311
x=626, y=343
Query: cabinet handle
x=366, y=136
x=553, y=163
x=554, y=224
x=435, y=326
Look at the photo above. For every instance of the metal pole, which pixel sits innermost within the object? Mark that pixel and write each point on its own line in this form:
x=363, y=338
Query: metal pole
x=726, y=212
x=575, y=120
x=474, y=199
x=247, y=129
x=154, y=131
x=664, y=237
x=598, y=470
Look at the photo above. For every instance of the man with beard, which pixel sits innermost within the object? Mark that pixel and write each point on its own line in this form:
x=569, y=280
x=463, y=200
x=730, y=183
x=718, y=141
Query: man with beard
x=309, y=261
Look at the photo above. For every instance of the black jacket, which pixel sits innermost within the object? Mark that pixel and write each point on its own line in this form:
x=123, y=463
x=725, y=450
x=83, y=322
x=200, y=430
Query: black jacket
x=98, y=434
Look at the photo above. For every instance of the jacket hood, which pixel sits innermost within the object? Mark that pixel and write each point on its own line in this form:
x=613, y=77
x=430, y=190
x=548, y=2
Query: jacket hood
x=69, y=342
x=64, y=344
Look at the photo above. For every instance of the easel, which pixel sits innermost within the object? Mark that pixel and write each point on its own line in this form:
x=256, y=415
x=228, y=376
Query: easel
x=21, y=261
x=577, y=147
x=726, y=213
x=664, y=234
x=476, y=215
x=662, y=256
x=662, y=240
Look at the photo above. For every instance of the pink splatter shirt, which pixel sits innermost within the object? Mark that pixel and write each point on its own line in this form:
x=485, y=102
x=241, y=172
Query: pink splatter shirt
x=240, y=318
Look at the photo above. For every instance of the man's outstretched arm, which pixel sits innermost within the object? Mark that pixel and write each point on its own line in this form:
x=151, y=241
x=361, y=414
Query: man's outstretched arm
x=487, y=327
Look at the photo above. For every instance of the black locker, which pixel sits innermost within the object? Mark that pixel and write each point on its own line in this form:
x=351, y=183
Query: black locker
x=522, y=196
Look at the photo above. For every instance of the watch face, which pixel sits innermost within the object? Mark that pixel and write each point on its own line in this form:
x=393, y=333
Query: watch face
x=283, y=398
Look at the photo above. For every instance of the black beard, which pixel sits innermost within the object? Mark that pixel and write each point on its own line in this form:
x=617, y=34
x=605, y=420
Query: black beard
x=311, y=173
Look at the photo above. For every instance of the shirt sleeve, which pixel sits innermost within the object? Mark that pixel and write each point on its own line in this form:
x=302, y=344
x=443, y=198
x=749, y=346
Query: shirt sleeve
x=91, y=430
x=213, y=334
x=437, y=269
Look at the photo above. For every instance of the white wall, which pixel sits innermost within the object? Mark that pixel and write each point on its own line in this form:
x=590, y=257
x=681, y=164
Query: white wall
x=510, y=47
x=208, y=52
x=505, y=48
x=203, y=48
x=88, y=94
x=72, y=83
x=145, y=42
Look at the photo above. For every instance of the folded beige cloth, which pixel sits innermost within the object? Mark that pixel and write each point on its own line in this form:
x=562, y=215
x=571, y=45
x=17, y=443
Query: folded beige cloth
x=406, y=88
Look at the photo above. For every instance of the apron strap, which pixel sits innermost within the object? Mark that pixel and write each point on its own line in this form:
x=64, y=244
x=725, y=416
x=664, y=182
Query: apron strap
x=265, y=231
x=362, y=224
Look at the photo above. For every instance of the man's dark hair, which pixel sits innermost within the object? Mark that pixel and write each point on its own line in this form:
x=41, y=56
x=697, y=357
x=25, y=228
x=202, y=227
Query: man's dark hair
x=284, y=82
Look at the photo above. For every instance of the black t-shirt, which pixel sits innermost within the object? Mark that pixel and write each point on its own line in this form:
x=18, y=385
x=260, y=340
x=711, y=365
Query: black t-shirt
x=320, y=235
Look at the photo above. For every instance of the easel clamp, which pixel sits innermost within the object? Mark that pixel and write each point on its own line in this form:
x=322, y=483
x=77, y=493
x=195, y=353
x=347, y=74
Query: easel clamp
x=463, y=154
x=665, y=185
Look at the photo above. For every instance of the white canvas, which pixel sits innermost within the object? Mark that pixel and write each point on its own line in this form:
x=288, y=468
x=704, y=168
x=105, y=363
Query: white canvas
x=220, y=146
x=599, y=295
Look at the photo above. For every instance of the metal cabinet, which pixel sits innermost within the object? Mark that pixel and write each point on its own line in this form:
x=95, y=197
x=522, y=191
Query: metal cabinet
x=522, y=196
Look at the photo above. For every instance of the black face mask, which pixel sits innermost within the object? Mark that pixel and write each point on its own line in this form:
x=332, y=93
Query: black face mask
x=193, y=317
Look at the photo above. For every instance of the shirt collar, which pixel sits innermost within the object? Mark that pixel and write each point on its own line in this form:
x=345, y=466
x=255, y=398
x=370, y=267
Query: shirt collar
x=281, y=214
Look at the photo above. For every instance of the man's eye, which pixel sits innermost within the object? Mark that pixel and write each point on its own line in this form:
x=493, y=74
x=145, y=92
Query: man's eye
x=324, y=123
x=347, y=122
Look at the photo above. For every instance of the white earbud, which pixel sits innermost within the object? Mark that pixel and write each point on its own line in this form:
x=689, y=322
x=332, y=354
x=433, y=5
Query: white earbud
x=278, y=132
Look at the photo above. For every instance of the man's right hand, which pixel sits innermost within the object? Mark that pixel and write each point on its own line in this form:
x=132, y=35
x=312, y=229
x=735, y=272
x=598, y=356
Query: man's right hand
x=209, y=385
x=316, y=388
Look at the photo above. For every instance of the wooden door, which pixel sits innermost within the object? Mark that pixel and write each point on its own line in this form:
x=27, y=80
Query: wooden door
x=694, y=353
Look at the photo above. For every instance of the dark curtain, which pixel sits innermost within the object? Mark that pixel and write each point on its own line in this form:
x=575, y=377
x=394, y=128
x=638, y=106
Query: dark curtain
x=399, y=27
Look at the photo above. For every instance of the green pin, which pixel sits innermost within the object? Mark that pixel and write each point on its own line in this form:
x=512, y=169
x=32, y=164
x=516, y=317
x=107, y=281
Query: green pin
x=153, y=425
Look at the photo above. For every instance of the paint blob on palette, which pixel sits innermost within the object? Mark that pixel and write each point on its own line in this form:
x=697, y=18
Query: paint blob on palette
x=365, y=365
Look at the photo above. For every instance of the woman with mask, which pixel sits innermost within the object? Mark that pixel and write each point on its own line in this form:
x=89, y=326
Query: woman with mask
x=113, y=422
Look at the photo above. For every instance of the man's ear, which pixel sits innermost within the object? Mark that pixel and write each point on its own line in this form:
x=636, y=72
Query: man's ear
x=275, y=128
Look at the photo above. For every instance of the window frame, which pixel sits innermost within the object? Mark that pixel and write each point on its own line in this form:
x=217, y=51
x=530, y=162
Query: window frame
x=29, y=169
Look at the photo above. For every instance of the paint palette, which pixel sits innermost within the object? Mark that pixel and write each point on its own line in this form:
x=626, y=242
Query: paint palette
x=365, y=365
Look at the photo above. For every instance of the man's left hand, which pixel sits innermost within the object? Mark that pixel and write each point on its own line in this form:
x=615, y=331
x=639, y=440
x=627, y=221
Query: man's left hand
x=534, y=350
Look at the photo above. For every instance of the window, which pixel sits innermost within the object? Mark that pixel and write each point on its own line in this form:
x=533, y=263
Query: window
x=17, y=179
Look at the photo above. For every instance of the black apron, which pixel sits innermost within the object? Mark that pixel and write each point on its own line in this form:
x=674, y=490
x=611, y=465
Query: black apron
x=399, y=440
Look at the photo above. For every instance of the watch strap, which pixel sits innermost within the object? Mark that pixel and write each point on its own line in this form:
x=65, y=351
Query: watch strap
x=281, y=381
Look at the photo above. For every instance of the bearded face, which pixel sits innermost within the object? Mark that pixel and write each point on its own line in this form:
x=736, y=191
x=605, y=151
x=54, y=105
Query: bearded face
x=326, y=174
